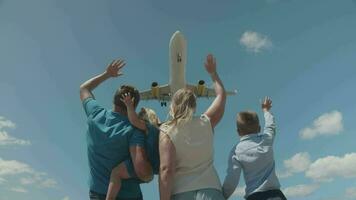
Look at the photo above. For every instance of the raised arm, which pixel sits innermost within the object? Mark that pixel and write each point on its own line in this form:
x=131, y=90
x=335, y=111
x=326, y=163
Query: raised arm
x=112, y=70
x=167, y=154
x=217, y=108
x=270, y=125
x=132, y=115
x=233, y=173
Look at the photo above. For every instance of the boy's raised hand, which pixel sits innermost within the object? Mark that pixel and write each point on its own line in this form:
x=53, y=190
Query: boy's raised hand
x=266, y=104
x=113, y=69
x=128, y=100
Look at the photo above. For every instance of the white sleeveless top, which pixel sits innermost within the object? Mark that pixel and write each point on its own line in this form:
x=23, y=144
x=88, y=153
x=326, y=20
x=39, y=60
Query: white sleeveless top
x=193, y=142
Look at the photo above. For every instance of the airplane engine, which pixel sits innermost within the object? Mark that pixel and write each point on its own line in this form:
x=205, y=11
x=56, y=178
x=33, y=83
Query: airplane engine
x=201, y=88
x=155, y=90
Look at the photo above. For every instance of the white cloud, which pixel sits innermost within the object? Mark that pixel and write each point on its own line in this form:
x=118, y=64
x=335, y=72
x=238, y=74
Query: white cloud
x=18, y=169
x=284, y=174
x=48, y=183
x=300, y=190
x=254, y=41
x=350, y=193
x=5, y=123
x=298, y=163
x=5, y=138
x=239, y=192
x=32, y=177
x=19, y=189
x=13, y=167
x=326, y=124
x=38, y=179
x=327, y=168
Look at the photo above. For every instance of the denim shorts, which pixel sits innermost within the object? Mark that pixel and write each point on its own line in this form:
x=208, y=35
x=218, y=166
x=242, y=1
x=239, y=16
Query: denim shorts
x=202, y=194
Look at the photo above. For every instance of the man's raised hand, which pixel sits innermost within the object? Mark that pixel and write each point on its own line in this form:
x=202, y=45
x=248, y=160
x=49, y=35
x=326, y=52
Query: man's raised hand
x=266, y=104
x=114, y=69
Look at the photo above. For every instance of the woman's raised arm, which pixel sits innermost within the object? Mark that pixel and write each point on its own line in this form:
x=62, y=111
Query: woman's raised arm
x=216, y=110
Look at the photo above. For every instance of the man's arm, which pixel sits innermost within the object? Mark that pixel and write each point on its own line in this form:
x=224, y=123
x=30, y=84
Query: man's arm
x=233, y=175
x=132, y=115
x=113, y=70
x=270, y=125
x=141, y=164
x=216, y=110
x=167, y=154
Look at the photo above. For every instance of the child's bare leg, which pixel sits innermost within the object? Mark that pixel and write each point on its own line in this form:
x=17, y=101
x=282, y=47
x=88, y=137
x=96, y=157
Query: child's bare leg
x=117, y=174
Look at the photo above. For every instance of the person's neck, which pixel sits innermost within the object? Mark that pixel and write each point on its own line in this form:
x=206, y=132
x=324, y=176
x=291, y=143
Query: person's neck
x=119, y=110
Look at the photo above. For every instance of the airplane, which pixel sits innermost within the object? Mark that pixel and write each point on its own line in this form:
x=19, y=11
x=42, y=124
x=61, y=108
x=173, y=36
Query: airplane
x=178, y=60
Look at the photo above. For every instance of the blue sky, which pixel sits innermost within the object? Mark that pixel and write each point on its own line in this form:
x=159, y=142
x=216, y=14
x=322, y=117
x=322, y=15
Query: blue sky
x=299, y=52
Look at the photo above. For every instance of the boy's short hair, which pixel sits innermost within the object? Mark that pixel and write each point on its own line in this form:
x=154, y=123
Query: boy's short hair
x=121, y=91
x=248, y=122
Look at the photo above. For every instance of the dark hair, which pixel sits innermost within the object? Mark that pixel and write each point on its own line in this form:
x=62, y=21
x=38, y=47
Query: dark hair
x=247, y=122
x=121, y=91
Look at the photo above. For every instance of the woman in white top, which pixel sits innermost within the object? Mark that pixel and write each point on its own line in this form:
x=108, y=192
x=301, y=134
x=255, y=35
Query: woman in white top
x=186, y=145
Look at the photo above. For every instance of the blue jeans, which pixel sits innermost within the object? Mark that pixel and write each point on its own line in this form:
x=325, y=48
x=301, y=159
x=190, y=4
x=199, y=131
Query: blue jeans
x=97, y=196
x=202, y=194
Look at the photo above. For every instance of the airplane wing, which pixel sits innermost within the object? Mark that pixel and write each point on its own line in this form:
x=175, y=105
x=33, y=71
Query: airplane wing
x=161, y=93
x=202, y=91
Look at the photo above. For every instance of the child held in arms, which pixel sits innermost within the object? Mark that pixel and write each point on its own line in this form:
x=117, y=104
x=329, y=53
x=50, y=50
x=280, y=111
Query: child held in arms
x=253, y=155
x=147, y=121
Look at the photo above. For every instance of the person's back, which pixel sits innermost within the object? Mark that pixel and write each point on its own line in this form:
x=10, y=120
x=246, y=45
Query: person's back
x=255, y=153
x=109, y=136
x=111, y=139
x=186, y=145
x=254, y=156
x=196, y=171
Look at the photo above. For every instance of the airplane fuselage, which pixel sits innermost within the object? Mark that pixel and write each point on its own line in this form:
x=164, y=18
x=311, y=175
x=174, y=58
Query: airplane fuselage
x=178, y=60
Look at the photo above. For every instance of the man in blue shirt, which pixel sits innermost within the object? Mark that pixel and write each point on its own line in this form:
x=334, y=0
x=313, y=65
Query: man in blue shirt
x=111, y=139
x=253, y=155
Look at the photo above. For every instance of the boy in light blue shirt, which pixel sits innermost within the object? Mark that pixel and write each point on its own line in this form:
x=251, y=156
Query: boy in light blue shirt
x=253, y=155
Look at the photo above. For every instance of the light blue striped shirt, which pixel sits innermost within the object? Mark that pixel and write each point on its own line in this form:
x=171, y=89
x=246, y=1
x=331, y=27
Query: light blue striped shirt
x=254, y=156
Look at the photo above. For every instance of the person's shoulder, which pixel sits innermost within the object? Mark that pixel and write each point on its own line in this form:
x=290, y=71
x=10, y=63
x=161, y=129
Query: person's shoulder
x=204, y=118
x=236, y=147
x=92, y=107
x=99, y=116
x=234, y=152
x=164, y=127
x=241, y=147
x=199, y=119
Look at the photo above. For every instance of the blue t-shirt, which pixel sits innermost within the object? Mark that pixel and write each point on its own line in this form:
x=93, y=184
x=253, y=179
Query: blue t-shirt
x=152, y=147
x=109, y=137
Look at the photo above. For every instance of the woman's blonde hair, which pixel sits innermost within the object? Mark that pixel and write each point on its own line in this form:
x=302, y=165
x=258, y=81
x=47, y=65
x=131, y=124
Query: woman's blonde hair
x=183, y=106
x=149, y=115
